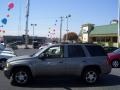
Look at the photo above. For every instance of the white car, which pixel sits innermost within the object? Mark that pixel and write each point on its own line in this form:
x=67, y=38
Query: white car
x=3, y=49
x=4, y=57
x=5, y=53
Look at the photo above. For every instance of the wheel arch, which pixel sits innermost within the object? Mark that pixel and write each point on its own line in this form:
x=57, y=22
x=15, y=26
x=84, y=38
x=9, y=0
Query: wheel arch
x=95, y=67
x=15, y=68
x=3, y=59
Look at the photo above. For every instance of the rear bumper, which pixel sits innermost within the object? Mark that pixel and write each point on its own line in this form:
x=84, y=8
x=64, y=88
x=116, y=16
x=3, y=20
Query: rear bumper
x=7, y=73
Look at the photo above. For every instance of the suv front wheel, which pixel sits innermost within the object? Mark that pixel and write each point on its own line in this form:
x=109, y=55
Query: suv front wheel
x=21, y=76
x=90, y=76
x=2, y=63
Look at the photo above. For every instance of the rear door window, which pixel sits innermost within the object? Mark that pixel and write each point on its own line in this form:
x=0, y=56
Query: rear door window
x=75, y=51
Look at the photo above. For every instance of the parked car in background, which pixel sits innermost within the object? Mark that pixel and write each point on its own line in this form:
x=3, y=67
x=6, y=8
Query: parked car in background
x=114, y=58
x=4, y=49
x=110, y=49
x=36, y=45
x=4, y=57
x=5, y=53
x=13, y=45
x=87, y=61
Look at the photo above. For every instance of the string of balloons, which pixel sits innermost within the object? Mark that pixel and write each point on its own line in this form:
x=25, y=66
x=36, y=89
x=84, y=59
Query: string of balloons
x=52, y=31
x=10, y=7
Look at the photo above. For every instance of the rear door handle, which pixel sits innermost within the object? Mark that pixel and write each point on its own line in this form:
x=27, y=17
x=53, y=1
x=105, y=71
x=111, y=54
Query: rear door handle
x=83, y=61
x=60, y=61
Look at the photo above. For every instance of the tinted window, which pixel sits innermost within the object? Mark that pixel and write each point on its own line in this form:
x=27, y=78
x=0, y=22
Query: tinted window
x=75, y=51
x=96, y=50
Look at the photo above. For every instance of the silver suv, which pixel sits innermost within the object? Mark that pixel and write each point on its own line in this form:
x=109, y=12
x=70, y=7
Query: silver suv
x=87, y=61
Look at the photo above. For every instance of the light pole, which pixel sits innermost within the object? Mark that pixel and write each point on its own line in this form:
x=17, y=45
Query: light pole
x=61, y=28
x=33, y=25
x=26, y=28
x=67, y=17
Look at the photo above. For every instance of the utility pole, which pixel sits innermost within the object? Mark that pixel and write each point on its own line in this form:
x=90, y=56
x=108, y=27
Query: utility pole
x=118, y=42
x=61, y=28
x=67, y=17
x=26, y=28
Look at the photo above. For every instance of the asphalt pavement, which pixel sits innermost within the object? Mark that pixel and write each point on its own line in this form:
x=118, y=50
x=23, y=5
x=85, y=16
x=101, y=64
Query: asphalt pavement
x=108, y=82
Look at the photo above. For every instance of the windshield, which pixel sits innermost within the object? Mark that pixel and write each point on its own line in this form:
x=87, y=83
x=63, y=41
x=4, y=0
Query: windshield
x=38, y=52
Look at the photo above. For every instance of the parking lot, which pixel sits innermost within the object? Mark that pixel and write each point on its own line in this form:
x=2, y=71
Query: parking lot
x=109, y=82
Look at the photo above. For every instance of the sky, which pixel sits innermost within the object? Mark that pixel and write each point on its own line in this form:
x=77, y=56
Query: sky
x=44, y=13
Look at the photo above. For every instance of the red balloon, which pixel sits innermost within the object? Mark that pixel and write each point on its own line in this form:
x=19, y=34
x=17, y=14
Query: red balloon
x=11, y=5
x=3, y=31
x=8, y=15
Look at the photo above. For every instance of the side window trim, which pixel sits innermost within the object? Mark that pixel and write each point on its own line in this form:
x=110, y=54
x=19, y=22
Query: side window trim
x=65, y=51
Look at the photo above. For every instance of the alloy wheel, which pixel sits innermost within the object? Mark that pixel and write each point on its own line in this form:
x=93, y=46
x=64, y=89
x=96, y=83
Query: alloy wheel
x=91, y=77
x=21, y=77
x=115, y=64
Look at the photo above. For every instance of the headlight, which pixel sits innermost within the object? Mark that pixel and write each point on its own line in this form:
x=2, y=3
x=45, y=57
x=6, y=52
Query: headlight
x=7, y=64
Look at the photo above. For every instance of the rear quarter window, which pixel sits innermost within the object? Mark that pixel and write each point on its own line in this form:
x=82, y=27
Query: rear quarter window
x=96, y=50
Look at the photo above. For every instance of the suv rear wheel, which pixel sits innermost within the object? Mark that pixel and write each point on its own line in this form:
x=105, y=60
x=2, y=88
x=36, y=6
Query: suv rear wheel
x=90, y=76
x=21, y=76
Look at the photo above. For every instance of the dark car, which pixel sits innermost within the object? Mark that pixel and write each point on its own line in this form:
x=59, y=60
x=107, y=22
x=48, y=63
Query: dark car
x=36, y=45
x=110, y=49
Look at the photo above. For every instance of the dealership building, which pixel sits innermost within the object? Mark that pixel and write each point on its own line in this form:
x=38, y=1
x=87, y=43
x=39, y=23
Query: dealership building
x=104, y=34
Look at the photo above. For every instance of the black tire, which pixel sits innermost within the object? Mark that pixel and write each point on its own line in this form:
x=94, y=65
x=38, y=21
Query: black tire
x=115, y=64
x=21, y=76
x=90, y=79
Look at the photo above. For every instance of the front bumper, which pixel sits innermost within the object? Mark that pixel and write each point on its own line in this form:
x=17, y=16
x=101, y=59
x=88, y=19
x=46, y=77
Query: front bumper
x=7, y=73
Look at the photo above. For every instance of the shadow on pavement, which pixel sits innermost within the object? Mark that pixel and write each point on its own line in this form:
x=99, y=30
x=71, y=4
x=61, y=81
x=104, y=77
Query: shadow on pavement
x=68, y=83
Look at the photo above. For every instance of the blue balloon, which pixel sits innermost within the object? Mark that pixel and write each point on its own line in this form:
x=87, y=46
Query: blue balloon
x=4, y=21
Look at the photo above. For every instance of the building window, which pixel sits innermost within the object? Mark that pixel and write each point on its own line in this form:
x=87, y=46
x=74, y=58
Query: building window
x=114, y=39
x=107, y=39
x=94, y=39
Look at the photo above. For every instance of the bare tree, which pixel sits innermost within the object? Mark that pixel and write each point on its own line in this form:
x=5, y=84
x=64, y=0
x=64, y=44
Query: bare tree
x=71, y=36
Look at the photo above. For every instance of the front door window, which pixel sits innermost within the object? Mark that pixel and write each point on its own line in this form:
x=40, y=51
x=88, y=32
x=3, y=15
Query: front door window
x=54, y=52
